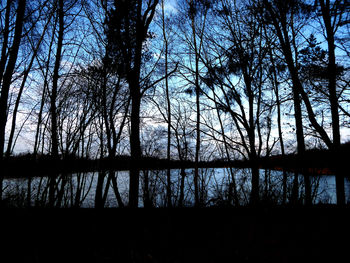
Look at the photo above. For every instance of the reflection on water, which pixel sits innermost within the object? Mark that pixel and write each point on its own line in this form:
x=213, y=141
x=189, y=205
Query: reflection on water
x=216, y=188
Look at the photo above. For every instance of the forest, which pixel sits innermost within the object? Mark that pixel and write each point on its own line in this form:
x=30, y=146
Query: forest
x=177, y=81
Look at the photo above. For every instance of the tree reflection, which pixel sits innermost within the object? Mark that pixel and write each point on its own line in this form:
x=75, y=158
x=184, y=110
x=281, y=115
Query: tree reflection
x=110, y=189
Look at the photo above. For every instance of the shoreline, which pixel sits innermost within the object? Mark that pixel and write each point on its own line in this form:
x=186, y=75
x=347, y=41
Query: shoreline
x=16, y=168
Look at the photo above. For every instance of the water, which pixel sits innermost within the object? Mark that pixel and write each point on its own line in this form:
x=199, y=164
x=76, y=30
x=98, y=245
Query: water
x=110, y=189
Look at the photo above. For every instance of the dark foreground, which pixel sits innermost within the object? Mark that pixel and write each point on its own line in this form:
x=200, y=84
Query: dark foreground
x=319, y=234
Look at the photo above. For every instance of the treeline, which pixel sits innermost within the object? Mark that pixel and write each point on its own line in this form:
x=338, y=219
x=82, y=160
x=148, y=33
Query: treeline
x=315, y=161
x=183, y=80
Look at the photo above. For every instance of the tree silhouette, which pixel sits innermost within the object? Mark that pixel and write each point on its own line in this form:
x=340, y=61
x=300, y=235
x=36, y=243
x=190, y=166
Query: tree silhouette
x=127, y=30
x=8, y=61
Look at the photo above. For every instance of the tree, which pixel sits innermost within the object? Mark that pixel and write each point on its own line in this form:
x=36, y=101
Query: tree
x=235, y=75
x=35, y=45
x=55, y=77
x=276, y=67
x=194, y=13
x=8, y=59
x=332, y=18
x=127, y=30
x=9, y=53
x=166, y=63
x=281, y=15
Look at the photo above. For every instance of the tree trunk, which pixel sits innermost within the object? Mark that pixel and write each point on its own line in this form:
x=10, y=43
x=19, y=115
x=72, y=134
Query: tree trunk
x=279, y=125
x=169, y=204
x=197, y=91
x=297, y=90
x=234, y=185
x=5, y=37
x=283, y=36
x=280, y=135
x=135, y=146
x=254, y=197
x=53, y=98
x=25, y=76
x=6, y=81
x=42, y=102
x=333, y=99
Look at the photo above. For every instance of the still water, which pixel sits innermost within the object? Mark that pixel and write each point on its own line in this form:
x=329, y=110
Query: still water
x=110, y=189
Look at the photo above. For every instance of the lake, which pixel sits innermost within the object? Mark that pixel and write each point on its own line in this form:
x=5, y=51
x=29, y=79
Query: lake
x=110, y=189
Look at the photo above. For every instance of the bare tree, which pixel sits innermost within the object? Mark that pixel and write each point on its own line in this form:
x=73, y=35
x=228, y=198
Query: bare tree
x=332, y=18
x=192, y=23
x=128, y=29
x=242, y=54
x=9, y=53
x=35, y=49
